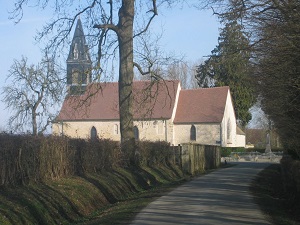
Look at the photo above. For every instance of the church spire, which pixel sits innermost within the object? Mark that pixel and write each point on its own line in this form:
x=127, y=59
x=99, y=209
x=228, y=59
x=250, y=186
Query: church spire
x=79, y=64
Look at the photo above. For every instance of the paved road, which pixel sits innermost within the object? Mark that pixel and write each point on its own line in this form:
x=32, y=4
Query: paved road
x=220, y=197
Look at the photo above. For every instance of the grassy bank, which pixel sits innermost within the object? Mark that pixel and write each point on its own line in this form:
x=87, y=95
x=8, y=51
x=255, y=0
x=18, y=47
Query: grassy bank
x=273, y=199
x=124, y=212
x=79, y=199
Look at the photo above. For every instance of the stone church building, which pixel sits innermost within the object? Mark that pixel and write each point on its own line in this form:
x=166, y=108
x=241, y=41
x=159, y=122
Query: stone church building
x=162, y=110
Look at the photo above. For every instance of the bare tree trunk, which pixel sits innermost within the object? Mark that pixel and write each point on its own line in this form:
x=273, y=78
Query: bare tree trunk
x=125, y=39
x=34, y=124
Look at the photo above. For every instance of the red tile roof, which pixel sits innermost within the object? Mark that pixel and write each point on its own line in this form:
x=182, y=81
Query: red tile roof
x=203, y=105
x=100, y=102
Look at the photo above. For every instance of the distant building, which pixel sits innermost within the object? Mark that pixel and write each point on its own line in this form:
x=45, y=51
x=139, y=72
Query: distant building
x=161, y=110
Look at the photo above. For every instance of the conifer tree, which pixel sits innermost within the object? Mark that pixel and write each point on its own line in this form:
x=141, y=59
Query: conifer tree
x=229, y=65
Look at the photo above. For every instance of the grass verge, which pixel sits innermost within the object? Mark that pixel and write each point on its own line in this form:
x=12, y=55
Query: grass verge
x=268, y=191
x=123, y=212
x=87, y=198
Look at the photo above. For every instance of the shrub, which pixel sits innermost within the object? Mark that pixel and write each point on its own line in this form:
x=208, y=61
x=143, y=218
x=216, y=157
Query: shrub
x=25, y=158
x=151, y=153
x=225, y=152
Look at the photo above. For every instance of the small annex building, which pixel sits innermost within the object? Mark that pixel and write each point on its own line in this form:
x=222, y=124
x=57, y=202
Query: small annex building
x=161, y=109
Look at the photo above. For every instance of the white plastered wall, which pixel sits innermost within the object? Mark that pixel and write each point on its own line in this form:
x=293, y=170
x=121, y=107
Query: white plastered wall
x=82, y=129
x=240, y=140
x=228, y=127
x=206, y=134
x=152, y=130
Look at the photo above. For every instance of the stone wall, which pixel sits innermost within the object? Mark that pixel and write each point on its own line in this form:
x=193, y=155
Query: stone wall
x=206, y=134
x=150, y=130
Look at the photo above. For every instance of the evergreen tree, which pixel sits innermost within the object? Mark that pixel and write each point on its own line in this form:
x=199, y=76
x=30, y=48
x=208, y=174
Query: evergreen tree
x=229, y=65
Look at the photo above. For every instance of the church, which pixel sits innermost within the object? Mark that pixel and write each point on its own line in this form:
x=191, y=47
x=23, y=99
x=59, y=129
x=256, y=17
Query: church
x=162, y=110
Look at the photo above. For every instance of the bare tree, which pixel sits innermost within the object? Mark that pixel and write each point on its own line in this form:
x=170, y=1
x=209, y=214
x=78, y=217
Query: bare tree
x=185, y=72
x=114, y=29
x=32, y=93
x=161, y=65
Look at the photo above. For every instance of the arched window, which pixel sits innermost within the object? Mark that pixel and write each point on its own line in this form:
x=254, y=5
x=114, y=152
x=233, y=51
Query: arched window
x=228, y=130
x=136, y=133
x=116, y=129
x=93, y=133
x=75, y=76
x=193, y=133
x=75, y=51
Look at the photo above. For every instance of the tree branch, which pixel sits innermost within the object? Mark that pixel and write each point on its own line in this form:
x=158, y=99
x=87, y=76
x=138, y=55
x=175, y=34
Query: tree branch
x=106, y=27
x=154, y=11
x=140, y=69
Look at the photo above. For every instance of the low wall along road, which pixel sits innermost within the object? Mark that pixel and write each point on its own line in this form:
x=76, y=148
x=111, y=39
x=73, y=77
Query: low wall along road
x=253, y=157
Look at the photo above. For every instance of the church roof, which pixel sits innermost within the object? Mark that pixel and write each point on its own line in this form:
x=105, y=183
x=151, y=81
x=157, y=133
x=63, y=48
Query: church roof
x=240, y=131
x=203, y=105
x=152, y=100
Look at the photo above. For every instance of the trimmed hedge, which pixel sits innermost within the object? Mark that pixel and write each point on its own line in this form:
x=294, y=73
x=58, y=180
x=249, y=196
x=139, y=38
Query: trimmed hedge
x=226, y=151
x=25, y=158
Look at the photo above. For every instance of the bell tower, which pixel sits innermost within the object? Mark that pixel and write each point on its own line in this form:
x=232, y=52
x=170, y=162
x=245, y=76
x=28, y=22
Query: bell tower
x=79, y=64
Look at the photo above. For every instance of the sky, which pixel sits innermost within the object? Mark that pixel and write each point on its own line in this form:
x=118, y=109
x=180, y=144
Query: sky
x=186, y=31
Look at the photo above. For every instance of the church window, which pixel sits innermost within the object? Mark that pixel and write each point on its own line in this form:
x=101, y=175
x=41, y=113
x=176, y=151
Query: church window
x=75, y=77
x=136, y=133
x=228, y=130
x=75, y=51
x=93, y=133
x=193, y=133
x=116, y=129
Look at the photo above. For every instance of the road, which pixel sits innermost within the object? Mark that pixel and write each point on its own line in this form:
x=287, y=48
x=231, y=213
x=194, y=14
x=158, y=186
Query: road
x=220, y=197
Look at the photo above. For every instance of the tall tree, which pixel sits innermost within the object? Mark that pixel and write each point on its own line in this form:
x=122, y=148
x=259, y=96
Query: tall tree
x=110, y=33
x=278, y=69
x=229, y=64
x=275, y=42
x=32, y=93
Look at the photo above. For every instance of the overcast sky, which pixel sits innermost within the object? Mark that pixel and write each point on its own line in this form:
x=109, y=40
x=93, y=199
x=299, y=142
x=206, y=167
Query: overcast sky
x=187, y=32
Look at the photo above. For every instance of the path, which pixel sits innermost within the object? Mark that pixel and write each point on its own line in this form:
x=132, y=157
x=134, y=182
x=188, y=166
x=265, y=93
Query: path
x=220, y=197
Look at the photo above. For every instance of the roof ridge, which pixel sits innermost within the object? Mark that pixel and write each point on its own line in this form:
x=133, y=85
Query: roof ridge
x=209, y=88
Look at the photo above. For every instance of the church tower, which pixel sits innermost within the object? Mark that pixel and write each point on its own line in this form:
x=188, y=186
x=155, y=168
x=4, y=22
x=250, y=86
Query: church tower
x=79, y=64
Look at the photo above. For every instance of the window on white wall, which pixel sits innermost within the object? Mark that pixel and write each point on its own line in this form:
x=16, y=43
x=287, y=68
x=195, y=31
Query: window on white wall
x=136, y=133
x=116, y=129
x=93, y=133
x=193, y=133
x=229, y=130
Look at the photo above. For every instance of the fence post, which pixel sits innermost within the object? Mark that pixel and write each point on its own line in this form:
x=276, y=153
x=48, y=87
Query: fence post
x=185, y=158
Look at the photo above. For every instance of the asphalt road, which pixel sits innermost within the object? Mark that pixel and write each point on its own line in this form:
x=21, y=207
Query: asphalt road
x=220, y=197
